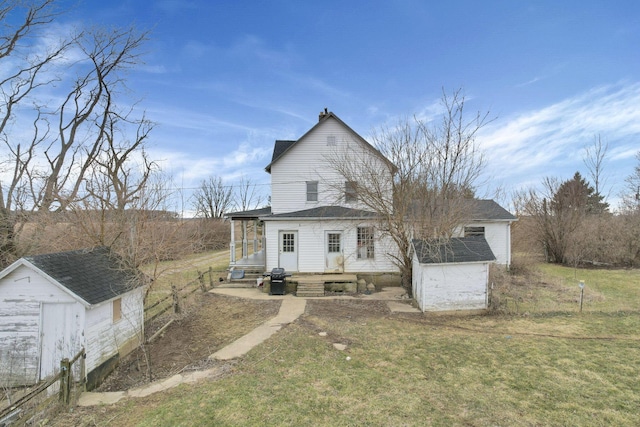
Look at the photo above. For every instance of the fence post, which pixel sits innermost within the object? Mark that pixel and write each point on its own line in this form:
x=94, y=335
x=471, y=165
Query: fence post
x=211, y=277
x=201, y=279
x=65, y=381
x=176, y=299
x=83, y=377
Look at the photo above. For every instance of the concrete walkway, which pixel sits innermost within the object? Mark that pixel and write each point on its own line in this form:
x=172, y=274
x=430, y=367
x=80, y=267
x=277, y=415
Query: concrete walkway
x=291, y=308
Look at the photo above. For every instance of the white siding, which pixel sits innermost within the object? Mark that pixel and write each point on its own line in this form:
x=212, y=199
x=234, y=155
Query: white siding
x=105, y=338
x=311, y=246
x=26, y=297
x=311, y=159
x=441, y=287
x=21, y=293
x=498, y=236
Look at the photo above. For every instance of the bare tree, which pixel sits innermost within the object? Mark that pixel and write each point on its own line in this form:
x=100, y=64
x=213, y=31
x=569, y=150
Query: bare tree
x=436, y=166
x=213, y=198
x=631, y=214
x=631, y=194
x=23, y=70
x=247, y=195
x=46, y=169
x=558, y=214
x=594, y=159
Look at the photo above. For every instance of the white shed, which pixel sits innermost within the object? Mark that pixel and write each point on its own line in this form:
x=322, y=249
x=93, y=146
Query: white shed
x=453, y=275
x=52, y=305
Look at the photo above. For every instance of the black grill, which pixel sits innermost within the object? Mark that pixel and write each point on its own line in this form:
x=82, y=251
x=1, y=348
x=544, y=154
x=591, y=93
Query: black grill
x=278, y=281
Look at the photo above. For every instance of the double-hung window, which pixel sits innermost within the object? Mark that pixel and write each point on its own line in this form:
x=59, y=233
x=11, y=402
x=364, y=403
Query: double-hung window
x=312, y=191
x=350, y=193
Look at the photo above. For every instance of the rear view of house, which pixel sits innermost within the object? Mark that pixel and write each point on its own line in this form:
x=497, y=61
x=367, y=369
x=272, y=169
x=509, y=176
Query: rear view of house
x=53, y=305
x=316, y=223
x=319, y=223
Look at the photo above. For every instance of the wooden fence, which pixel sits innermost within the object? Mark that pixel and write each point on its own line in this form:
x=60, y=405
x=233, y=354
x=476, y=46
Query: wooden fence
x=174, y=300
x=22, y=410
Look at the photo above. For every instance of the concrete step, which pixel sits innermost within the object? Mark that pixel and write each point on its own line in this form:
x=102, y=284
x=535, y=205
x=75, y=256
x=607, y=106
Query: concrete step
x=310, y=290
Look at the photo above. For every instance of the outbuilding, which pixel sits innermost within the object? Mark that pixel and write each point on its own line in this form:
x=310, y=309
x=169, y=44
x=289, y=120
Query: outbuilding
x=53, y=305
x=451, y=275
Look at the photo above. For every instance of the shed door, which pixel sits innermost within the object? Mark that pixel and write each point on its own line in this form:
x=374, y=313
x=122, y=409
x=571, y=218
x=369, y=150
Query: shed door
x=288, y=250
x=60, y=336
x=333, y=252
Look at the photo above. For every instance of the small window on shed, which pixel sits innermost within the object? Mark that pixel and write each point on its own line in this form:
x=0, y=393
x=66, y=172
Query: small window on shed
x=473, y=231
x=117, y=309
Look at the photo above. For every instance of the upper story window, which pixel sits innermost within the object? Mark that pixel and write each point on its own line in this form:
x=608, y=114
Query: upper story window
x=350, y=194
x=331, y=140
x=473, y=231
x=312, y=191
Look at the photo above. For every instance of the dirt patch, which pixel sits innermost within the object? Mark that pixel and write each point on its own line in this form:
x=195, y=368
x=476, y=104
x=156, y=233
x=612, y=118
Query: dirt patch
x=209, y=323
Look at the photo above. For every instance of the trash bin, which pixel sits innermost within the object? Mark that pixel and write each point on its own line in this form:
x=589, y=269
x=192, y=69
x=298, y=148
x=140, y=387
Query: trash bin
x=278, y=281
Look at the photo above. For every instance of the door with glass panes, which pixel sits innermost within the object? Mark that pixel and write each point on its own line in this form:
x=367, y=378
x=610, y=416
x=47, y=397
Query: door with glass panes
x=288, y=250
x=333, y=252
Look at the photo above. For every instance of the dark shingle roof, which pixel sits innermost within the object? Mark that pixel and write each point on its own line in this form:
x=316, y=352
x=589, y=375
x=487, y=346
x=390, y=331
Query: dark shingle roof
x=95, y=275
x=280, y=147
x=461, y=249
x=326, y=212
x=488, y=209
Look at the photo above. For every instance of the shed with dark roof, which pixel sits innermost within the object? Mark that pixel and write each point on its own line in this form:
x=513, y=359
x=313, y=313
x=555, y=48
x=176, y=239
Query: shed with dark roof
x=451, y=274
x=53, y=305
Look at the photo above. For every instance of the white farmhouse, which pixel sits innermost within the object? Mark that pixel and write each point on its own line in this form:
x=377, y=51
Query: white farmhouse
x=317, y=224
x=53, y=305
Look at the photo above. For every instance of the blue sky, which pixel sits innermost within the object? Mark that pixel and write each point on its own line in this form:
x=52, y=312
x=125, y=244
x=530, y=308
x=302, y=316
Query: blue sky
x=224, y=79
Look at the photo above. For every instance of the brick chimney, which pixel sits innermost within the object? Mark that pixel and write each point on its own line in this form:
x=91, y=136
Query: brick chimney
x=323, y=114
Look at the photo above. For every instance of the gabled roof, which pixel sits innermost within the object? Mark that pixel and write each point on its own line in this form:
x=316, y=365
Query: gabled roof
x=282, y=147
x=485, y=209
x=324, y=212
x=92, y=275
x=456, y=250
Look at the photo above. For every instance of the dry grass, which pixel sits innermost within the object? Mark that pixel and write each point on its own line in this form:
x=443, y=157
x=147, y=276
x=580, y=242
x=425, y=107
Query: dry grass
x=537, y=362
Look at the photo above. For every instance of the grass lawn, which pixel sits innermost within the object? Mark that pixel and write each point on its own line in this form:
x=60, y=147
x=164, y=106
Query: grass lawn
x=547, y=365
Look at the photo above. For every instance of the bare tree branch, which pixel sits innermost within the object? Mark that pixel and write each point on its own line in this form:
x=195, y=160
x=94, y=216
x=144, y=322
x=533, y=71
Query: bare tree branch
x=212, y=199
x=437, y=166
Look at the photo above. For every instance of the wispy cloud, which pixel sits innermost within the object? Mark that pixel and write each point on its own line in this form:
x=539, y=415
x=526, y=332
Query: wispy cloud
x=530, y=82
x=557, y=133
